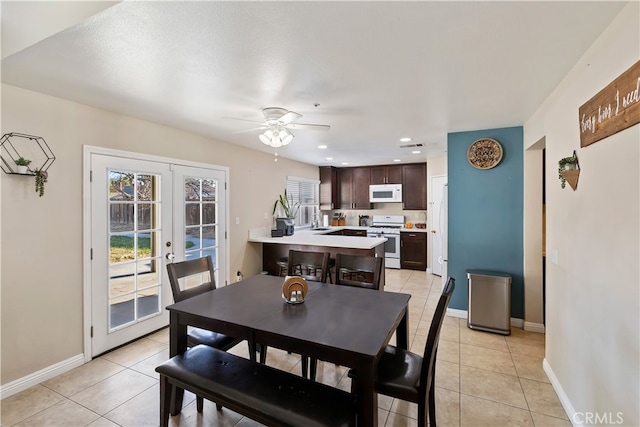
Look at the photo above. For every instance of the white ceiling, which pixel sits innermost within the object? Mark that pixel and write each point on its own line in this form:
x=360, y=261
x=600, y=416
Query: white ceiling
x=378, y=70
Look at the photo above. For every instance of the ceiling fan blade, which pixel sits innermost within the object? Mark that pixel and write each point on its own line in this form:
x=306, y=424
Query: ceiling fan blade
x=289, y=117
x=307, y=126
x=251, y=130
x=245, y=120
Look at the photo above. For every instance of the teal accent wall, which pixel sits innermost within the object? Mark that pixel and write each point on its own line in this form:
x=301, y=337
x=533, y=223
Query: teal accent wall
x=485, y=214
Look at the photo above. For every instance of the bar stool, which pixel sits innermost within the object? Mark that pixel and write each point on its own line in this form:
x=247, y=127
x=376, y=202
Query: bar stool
x=283, y=265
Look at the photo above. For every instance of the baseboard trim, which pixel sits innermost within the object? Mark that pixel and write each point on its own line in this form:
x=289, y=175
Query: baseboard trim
x=429, y=270
x=562, y=396
x=454, y=312
x=45, y=374
x=534, y=327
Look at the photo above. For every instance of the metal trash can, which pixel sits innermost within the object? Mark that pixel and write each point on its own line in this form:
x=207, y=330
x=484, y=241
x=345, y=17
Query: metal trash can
x=489, y=301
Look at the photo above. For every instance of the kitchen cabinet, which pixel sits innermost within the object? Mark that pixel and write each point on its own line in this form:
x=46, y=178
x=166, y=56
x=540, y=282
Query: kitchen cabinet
x=413, y=250
x=387, y=174
x=353, y=188
x=328, y=188
x=414, y=186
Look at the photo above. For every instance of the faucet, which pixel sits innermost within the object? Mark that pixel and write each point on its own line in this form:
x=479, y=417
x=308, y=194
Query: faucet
x=315, y=220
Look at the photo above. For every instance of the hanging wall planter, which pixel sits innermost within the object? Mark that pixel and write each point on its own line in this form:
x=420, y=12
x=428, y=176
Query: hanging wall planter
x=569, y=171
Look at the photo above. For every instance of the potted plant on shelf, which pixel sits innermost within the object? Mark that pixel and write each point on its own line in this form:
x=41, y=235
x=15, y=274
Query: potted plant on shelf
x=289, y=209
x=22, y=165
x=565, y=164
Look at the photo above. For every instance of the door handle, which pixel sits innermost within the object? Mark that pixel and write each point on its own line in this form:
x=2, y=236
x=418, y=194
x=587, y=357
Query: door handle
x=171, y=256
x=433, y=231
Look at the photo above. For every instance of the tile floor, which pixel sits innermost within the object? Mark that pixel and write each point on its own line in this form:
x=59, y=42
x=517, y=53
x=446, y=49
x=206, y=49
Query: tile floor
x=482, y=379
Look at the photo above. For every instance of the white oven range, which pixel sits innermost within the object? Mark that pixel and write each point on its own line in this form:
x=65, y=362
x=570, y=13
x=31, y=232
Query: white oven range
x=388, y=226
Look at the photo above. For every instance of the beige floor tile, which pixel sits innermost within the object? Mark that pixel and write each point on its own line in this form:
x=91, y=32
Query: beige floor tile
x=541, y=420
x=161, y=336
x=140, y=411
x=542, y=398
x=450, y=320
x=478, y=412
x=526, y=347
x=63, y=414
x=210, y=417
x=493, y=386
x=450, y=332
x=447, y=407
x=135, y=352
x=486, y=358
x=399, y=420
x=402, y=407
x=482, y=339
x=448, y=375
x=418, y=343
x=114, y=391
x=529, y=367
x=82, y=377
x=385, y=402
x=148, y=365
x=102, y=422
x=329, y=373
x=284, y=361
x=27, y=403
x=449, y=351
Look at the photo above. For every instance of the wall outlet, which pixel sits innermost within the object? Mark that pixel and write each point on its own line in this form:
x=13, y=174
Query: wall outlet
x=237, y=220
x=554, y=255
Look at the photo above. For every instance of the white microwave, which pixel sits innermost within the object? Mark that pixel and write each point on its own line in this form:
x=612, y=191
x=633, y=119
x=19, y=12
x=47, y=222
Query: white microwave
x=385, y=193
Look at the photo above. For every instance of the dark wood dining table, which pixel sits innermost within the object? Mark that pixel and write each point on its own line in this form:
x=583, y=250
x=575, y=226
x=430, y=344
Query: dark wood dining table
x=339, y=324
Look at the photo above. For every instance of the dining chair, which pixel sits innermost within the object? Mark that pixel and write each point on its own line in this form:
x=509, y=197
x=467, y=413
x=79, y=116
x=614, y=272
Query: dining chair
x=312, y=266
x=407, y=376
x=357, y=271
x=197, y=276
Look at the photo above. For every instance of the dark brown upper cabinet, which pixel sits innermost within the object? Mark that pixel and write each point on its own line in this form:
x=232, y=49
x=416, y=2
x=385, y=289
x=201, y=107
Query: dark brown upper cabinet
x=389, y=174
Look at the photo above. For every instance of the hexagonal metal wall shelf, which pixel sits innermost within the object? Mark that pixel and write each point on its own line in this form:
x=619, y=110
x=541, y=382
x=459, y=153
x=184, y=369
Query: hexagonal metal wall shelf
x=15, y=145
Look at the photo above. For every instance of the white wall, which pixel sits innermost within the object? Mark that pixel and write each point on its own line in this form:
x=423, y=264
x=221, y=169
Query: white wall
x=593, y=310
x=42, y=237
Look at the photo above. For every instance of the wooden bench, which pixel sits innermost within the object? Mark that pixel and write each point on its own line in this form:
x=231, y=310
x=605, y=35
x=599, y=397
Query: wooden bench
x=264, y=394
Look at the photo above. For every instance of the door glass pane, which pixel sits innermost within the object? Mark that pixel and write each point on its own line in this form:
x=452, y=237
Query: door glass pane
x=201, y=207
x=134, y=247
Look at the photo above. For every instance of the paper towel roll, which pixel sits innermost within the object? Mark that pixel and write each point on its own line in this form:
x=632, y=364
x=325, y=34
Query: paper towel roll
x=325, y=221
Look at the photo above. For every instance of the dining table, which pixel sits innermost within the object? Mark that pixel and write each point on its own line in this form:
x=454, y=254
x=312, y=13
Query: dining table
x=344, y=325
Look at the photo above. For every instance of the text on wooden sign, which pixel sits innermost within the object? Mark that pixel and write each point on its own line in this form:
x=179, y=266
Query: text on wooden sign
x=614, y=108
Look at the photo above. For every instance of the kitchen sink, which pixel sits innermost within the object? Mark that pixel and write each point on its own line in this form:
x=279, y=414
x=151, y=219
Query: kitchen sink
x=321, y=228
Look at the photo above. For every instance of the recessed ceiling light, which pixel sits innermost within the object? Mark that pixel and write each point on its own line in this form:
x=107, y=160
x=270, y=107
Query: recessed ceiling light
x=345, y=163
x=416, y=152
x=329, y=158
x=405, y=139
x=322, y=147
x=396, y=160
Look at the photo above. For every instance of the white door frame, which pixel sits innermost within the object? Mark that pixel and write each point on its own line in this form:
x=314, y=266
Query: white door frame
x=88, y=151
x=436, y=228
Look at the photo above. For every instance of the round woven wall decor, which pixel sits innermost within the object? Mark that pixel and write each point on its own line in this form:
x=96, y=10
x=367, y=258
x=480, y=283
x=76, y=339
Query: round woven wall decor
x=484, y=153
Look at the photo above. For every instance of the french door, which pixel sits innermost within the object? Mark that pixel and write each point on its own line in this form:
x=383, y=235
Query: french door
x=143, y=214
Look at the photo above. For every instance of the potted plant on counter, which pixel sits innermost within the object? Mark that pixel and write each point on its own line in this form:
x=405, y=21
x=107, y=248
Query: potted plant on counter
x=289, y=209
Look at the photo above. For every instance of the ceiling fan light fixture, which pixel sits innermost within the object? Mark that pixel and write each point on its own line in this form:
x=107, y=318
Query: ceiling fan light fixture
x=266, y=137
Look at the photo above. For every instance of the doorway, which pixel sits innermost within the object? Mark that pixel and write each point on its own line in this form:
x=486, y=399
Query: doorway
x=438, y=223
x=142, y=212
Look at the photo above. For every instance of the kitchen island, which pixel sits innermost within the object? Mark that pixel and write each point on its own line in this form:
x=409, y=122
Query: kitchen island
x=274, y=248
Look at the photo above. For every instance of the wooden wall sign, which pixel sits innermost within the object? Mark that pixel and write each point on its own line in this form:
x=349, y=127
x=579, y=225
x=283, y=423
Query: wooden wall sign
x=614, y=108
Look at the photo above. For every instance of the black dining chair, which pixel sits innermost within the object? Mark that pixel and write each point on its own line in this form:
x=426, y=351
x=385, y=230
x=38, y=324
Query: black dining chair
x=407, y=376
x=197, y=277
x=312, y=266
x=359, y=271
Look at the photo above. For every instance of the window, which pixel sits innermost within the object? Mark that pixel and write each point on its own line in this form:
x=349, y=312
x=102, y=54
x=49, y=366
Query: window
x=306, y=193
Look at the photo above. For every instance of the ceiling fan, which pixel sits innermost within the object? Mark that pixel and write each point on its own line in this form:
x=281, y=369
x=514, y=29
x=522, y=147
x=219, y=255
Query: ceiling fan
x=277, y=125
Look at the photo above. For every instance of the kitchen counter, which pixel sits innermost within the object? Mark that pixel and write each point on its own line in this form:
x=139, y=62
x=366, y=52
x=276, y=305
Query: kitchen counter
x=277, y=248
x=318, y=237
